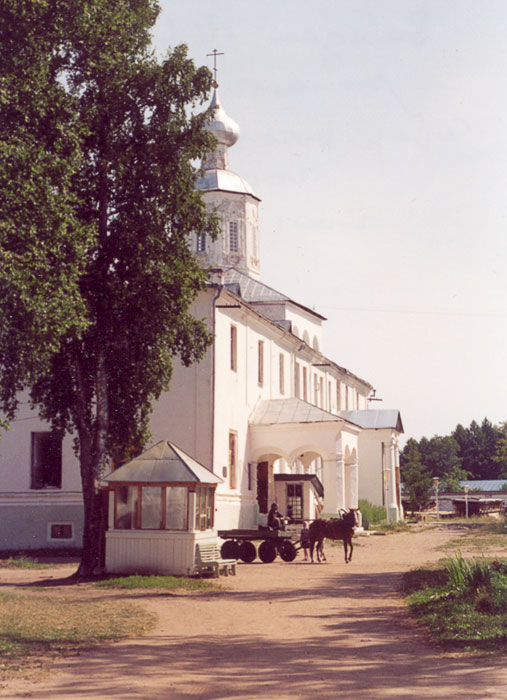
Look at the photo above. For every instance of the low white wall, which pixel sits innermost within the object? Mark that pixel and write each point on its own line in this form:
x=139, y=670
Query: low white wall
x=148, y=551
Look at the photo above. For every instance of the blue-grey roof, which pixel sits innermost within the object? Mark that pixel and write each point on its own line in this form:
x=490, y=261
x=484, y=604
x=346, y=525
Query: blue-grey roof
x=485, y=484
x=371, y=419
x=224, y=181
x=163, y=463
x=255, y=292
x=281, y=411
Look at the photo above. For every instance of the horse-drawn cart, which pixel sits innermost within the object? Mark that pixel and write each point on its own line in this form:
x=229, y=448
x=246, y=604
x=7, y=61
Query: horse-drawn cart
x=239, y=544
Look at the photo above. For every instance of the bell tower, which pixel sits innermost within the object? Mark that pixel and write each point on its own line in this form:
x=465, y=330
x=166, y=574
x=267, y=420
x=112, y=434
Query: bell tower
x=234, y=200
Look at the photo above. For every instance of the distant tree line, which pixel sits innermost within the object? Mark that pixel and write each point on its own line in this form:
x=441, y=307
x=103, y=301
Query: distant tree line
x=476, y=452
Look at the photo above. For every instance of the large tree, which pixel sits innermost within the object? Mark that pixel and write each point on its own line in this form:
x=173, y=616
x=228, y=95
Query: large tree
x=112, y=206
x=415, y=476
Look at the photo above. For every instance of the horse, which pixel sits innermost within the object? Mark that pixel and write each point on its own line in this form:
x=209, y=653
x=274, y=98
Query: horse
x=342, y=528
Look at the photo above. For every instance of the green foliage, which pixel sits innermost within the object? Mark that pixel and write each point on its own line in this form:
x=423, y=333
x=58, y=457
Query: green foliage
x=371, y=514
x=416, y=478
x=97, y=203
x=476, y=452
x=463, y=604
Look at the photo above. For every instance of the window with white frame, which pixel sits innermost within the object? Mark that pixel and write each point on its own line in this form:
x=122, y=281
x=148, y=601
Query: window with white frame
x=204, y=507
x=61, y=531
x=297, y=388
x=233, y=237
x=282, y=373
x=305, y=384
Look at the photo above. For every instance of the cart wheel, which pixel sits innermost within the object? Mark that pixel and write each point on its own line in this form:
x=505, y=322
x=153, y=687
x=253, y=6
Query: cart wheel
x=287, y=551
x=229, y=550
x=247, y=551
x=267, y=552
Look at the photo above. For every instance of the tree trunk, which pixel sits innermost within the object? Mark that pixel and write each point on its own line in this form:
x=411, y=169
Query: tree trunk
x=92, y=460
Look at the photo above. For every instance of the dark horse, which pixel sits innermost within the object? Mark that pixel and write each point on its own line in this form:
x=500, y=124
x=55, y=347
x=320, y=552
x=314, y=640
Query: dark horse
x=342, y=528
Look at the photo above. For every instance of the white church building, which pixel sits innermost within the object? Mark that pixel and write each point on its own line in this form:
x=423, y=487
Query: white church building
x=271, y=416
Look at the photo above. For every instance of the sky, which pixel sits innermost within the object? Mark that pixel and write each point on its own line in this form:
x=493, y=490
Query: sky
x=375, y=134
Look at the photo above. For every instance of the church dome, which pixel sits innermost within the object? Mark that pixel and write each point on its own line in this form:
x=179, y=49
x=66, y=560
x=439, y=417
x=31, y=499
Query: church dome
x=225, y=181
x=223, y=128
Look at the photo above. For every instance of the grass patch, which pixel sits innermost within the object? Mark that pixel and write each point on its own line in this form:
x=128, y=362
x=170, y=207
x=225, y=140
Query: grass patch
x=22, y=562
x=166, y=582
x=52, y=626
x=400, y=526
x=463, y=603
x=482, y=535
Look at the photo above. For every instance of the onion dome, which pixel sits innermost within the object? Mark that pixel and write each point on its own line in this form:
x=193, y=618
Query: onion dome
x=223, y=128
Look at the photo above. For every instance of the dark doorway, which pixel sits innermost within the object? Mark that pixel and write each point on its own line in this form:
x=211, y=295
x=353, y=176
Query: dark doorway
x=262, y=486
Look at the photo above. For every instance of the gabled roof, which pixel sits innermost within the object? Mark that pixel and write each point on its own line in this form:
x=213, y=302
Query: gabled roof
x=371, y=419
x=280, y=411
x=163, y=463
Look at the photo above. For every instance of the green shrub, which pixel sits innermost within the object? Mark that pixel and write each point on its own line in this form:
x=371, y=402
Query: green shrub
x=463, y=604
x=371, y=514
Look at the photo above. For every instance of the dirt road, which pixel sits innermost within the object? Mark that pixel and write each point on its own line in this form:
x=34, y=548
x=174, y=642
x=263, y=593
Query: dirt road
x=284, y=632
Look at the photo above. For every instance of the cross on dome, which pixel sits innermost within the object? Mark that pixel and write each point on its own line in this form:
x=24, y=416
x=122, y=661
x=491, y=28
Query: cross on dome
x=215, y=53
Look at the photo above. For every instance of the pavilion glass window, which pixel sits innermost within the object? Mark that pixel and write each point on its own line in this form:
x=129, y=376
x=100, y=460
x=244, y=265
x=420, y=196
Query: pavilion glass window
x=151, y=507
x=46, y=461
x=176, y=508
x=305, y=384
x=126, y=500
x=233, y=237
x=297, y=388
x=204, y=507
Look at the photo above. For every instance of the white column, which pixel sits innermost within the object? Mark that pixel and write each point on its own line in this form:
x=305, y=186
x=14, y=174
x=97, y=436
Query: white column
x=334, y=484
x=354, y=485
x=191, y=511
x=393, y=512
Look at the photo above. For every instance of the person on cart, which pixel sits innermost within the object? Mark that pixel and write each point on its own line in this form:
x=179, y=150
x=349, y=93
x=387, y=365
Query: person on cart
x=275, y=518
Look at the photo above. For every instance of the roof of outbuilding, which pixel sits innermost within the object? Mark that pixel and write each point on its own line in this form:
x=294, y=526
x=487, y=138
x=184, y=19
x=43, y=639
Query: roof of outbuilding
x=375, y=419
x=485, y=484
x=163, y=463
